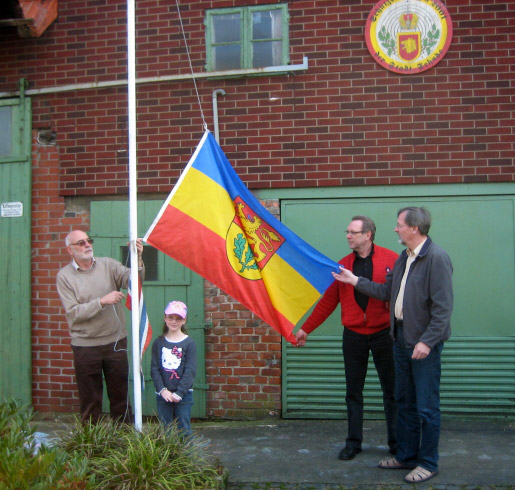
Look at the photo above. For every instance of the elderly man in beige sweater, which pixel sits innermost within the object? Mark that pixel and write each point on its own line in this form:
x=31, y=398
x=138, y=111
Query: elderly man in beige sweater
x=89, y=288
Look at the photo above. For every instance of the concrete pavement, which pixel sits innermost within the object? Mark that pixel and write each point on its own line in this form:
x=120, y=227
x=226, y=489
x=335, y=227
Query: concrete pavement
x=303, y=455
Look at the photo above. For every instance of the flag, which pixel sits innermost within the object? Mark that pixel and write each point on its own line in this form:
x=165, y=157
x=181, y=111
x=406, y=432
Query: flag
x=145, y=329
x=212, y=224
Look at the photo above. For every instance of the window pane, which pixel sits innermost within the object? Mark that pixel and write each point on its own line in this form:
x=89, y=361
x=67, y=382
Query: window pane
x=150, y=258
x=6, y=130
x=267, y=53
x=227, y=57
x=266, y=25
x=226, y=28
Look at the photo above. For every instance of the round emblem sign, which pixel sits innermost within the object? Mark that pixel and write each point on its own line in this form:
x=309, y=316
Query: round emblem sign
x=408, y=36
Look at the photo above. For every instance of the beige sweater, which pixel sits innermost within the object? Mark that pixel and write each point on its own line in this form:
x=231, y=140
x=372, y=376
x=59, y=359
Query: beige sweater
x=80, y=291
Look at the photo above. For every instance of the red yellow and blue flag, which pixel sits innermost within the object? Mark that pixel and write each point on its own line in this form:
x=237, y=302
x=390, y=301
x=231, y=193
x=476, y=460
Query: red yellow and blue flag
x=212, y=224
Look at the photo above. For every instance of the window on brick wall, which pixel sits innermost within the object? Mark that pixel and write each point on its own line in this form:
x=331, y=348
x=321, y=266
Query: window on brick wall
x=12, y=127
x=247, y=37
x=151, y=262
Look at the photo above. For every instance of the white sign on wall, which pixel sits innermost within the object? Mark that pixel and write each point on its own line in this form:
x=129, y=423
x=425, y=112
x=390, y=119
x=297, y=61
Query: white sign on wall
x=11, y=209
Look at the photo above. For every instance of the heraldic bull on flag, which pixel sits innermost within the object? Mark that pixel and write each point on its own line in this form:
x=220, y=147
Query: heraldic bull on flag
x=212, y=224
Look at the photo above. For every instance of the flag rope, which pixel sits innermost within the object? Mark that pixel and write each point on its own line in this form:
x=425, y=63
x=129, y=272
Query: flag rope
x=191, y=66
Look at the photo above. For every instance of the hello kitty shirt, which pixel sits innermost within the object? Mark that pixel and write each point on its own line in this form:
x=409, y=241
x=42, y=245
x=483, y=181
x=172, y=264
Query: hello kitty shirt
x=174, y=365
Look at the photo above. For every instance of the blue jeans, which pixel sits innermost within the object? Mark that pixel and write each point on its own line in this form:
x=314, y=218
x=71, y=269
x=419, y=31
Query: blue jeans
x=180, y=412
x=417, y=393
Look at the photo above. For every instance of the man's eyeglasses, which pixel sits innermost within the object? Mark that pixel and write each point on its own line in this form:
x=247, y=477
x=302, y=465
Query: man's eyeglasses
x=82, y=243
x=348, y=232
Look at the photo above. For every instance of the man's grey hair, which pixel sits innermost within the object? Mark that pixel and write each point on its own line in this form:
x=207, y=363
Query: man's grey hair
x=368, y=224
x=419, y=217
x=67, y=240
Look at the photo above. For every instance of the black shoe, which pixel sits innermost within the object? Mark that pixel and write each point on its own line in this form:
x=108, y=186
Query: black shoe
x=348, y=452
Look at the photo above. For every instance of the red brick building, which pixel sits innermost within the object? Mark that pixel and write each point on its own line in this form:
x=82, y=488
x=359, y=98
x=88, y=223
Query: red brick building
x=337, y=123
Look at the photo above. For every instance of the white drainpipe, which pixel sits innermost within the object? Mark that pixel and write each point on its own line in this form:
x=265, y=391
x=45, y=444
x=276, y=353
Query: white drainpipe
x=165, y=78
x=216, y=93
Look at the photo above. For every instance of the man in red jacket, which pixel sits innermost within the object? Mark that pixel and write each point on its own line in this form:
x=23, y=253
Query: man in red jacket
x=366, y=323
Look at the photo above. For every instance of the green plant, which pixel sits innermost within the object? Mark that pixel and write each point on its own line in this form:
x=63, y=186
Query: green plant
x=122, y=458
x=105, y=456
x=24, y=468
x=92, y=440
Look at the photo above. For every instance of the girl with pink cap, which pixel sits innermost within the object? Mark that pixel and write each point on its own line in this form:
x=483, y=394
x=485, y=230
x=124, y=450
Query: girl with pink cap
x=173, y=369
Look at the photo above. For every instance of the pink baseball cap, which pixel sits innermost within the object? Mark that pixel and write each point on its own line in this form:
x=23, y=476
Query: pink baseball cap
x=176, y=308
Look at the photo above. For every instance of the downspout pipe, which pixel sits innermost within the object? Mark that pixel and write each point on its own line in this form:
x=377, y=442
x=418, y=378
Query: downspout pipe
x=216, y=93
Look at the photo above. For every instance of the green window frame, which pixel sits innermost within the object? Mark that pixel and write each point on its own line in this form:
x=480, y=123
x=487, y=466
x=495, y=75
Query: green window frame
x=247, y=37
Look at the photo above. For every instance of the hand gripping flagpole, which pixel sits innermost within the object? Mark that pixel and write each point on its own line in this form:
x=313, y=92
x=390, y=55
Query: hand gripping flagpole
x=133, y=210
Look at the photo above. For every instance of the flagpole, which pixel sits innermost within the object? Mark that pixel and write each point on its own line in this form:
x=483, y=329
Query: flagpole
x=133, y=209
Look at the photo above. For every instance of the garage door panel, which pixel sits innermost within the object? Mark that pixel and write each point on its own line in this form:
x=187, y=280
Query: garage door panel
x=478, y=376
x=478, y=361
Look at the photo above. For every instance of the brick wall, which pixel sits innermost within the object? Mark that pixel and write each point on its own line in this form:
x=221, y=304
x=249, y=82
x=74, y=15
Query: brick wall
x=243, y=361
x=53, y=380
x=346, y=121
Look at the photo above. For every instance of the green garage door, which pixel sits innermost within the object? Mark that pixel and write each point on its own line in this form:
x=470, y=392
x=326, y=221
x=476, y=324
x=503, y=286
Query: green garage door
x=165, y=281
x=479, y=360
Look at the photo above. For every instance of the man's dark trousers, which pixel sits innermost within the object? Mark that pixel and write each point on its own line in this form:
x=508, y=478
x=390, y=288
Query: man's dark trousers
x=112, y=361
x=356, y=349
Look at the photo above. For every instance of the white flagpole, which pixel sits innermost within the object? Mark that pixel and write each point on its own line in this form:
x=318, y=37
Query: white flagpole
x=133, y=209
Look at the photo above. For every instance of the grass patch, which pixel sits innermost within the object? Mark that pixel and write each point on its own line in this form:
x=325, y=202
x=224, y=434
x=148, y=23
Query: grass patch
x=104, y=456
x=24, y=468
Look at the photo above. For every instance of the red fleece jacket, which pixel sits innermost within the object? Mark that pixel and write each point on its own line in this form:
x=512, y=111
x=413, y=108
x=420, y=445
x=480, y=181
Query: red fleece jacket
x=377, y=315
